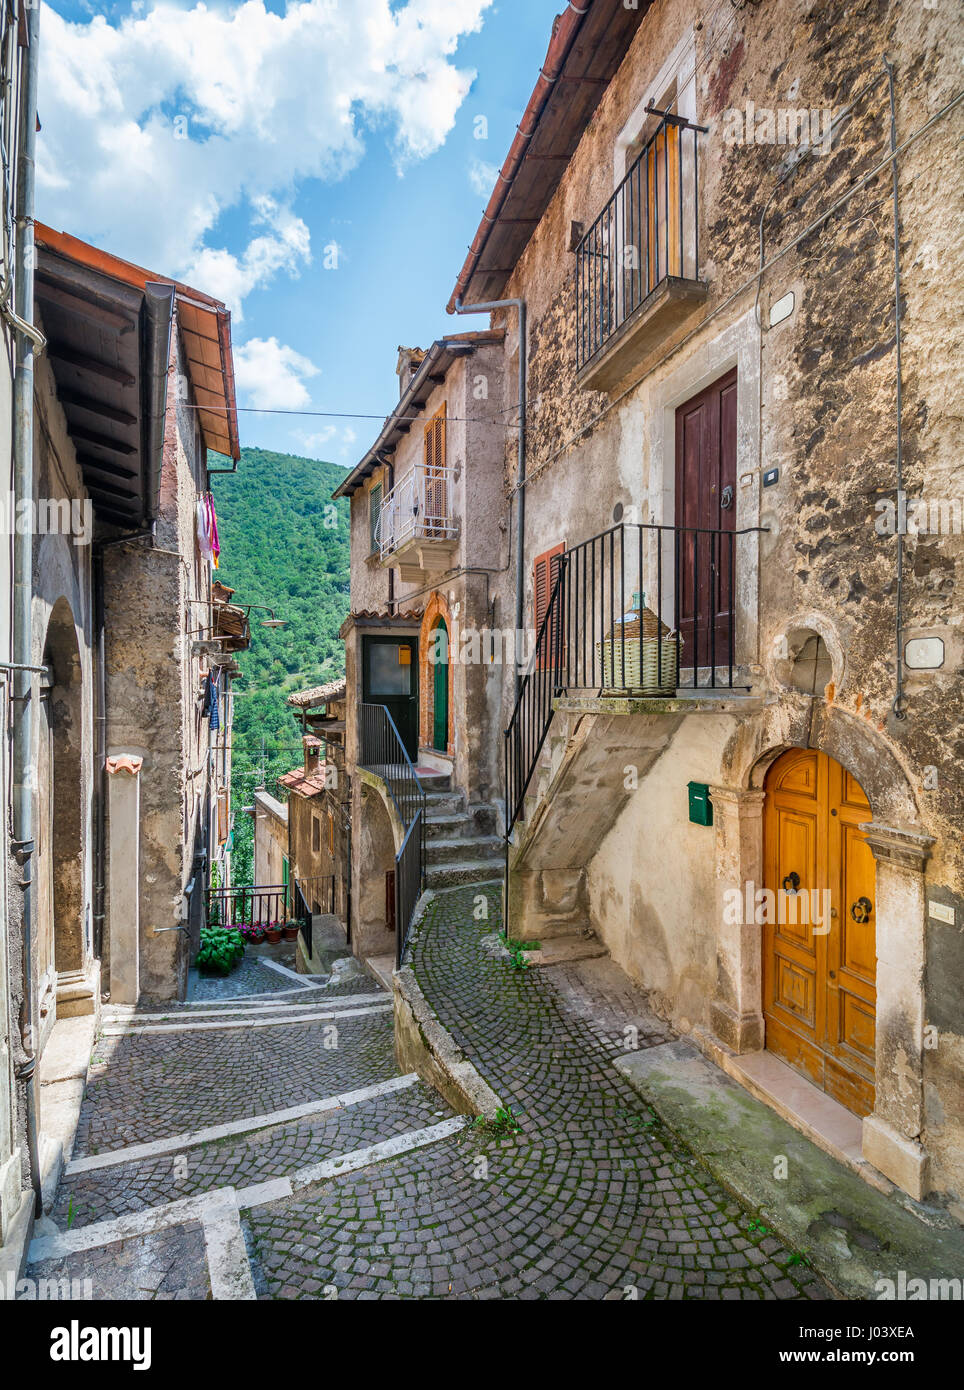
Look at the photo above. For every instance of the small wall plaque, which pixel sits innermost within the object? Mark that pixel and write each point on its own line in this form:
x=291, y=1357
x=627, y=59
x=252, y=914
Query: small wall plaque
x=924, y=653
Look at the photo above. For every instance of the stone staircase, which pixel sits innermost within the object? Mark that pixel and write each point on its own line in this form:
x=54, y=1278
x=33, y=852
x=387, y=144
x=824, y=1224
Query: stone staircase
x=461, y=843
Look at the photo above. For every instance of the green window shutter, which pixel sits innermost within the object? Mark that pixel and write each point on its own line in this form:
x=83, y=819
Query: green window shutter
x=374, y=512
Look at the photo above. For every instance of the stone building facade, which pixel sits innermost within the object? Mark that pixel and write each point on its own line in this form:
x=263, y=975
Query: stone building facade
x=722, y=356
x=122, y=634
x=429, y=581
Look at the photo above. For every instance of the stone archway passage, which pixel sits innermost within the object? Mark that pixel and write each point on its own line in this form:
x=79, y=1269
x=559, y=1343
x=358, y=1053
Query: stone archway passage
x=819, y=952
x=61, y=793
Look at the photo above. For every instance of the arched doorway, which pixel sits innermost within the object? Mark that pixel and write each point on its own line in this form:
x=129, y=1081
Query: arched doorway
x=819, y=948
x=60, y=791
x=440, y=687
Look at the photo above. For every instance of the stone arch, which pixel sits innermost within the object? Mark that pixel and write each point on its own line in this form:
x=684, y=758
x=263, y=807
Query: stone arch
x=891, y=1133
x=380, y=836
x=62, y=790
x=435, y=610
x=799, y=722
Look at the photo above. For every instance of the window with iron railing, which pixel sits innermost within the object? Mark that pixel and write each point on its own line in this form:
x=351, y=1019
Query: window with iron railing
x=419, y=506
x=647, y=233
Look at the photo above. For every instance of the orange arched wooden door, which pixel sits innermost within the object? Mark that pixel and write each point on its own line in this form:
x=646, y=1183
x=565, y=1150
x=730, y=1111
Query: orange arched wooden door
x=819, y=985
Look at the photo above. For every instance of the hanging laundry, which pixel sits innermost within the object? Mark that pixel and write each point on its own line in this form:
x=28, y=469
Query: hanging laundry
x=204, y=530
x=215, y=693
x=215, y=542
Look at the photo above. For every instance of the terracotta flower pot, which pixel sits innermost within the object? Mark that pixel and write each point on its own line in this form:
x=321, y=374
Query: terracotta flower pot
x=291, y=933
x=273, y=935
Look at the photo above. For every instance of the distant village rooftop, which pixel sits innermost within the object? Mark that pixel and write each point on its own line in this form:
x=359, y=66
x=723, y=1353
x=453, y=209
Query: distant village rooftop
x=319, y=694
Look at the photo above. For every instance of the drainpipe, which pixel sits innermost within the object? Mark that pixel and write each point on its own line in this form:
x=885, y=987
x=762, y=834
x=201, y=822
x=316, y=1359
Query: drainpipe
x=899, y=699
x=23, y=387
x=520, y=517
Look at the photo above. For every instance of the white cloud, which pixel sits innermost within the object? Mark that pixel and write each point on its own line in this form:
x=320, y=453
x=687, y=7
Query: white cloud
x=272, y=374
x=230, y=277
x=264, y=100
x=482, y=177
x=330, y=440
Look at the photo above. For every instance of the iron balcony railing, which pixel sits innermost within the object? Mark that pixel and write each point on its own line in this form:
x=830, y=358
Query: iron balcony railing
x=249, y=905
x=648, y=230
x=645, y=610
x=383, y=752
x=419, y=507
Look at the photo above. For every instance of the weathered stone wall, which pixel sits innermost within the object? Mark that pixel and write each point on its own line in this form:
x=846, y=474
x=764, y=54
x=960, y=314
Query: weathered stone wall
x=154, y=603
x=817, y=400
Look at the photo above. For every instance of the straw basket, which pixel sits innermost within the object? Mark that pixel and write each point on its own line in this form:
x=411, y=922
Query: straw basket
x=629, y=663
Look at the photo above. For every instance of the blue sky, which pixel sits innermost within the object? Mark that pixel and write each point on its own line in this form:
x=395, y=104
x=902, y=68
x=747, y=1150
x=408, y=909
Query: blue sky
x=326, y=180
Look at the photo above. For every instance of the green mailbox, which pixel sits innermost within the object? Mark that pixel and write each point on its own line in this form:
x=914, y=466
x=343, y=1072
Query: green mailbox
x=701, y=807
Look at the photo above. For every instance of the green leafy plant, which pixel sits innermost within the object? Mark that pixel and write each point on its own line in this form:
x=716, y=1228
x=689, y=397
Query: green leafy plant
x=221, y=949
x=504, y=1122
x=518, y=960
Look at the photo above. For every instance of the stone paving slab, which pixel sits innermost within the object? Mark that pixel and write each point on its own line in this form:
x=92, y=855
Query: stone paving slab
x=591, y=1199
x=100, y=1194
x=168, y=1264
x=146, y=1087
x=250, y=976
x=854, y=1234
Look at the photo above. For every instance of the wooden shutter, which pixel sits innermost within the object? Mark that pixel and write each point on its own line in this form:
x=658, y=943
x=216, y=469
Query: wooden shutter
x=545, y=568
x=436, y=513
x=374, y=512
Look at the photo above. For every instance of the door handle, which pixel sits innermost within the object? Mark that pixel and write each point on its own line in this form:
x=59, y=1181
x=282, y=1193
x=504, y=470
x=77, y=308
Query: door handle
x=860, y=910
x=792, y=882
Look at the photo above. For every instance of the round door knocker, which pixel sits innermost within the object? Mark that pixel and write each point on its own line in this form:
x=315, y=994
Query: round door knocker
x=726, y=500
x=860, y=910
x=792, y=882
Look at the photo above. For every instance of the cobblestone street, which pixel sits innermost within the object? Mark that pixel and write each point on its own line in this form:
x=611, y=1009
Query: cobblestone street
x=263, y=1144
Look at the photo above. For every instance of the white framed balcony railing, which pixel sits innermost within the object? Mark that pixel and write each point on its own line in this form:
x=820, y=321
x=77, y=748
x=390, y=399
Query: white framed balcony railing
x=417, y=511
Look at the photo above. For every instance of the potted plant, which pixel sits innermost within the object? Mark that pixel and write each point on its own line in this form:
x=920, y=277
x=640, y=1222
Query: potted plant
x=273, y=932
x=253, y=933
x=220, y=950
x=291, y=929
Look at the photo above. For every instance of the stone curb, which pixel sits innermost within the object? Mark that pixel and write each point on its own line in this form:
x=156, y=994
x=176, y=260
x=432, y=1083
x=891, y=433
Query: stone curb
x=423, y=1045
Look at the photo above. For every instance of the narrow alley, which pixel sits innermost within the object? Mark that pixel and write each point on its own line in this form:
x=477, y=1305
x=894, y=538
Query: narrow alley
x=264, y=1145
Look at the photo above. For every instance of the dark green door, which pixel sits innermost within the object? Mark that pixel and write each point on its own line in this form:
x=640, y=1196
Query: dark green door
x=440, y=704
x=390, y=678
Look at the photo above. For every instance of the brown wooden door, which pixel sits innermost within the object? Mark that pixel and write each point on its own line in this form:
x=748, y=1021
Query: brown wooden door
x=819, y=987
x=706, y=509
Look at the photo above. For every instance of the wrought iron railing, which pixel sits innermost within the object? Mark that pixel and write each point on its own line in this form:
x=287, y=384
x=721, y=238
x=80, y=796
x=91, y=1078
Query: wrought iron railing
x=318, y=889
x=645, y=610
x=409, y=878
x=249, y=905
x=419, y=507
x=648, y=230
x=383, y=752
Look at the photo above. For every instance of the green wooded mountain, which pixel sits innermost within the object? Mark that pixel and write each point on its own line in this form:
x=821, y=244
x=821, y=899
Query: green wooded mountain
x=284, y=544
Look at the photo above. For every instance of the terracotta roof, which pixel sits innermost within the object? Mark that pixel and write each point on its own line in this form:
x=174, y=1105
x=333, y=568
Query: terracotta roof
x=301, y=784
x=319, y=694
x=589, y=41
x=369, y=617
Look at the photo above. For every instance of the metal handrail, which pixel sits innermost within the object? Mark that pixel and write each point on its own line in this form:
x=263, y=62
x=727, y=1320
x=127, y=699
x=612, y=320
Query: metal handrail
x=599, y=633
x=641, y=236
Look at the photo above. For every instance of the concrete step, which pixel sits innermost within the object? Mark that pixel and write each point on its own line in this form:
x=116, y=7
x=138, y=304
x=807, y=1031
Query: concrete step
x=570, y=946
x=479, y=847
x=451, y=875
x=450, y=826
x=435, y=781
x=444, y=804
